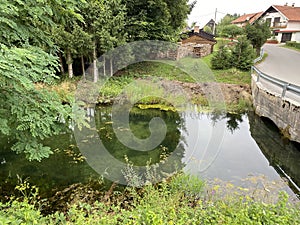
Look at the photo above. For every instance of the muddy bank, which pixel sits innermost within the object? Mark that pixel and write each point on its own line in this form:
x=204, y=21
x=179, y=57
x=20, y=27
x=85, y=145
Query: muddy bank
x=165, y=90
x=231, y=93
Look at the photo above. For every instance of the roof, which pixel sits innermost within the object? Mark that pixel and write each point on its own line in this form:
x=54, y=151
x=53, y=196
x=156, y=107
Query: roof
x=202, y=34
x=251, y=18
x=290, y=12
x=210, y=23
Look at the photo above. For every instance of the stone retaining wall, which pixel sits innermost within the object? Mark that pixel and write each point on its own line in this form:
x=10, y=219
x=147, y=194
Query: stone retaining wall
x=283, y=112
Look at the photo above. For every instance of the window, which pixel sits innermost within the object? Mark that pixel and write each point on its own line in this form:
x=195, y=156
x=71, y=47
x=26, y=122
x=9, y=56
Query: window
x=276, y=22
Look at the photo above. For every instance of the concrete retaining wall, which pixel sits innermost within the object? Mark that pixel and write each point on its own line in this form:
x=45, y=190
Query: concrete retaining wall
x=283, y=112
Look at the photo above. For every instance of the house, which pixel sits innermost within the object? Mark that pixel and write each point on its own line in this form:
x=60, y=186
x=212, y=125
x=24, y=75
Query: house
x=211, y=24
x=196, y=43
x=243, y=20
x=284, y=22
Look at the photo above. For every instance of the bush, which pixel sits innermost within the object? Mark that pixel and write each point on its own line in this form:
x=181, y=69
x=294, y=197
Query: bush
x=240, y=56
x=222, y=59
x=293, y=44
x=243, y=54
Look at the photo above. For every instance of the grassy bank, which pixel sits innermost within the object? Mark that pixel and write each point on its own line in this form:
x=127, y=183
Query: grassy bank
x=291, y=47
x=183, y=200
x=162, y=73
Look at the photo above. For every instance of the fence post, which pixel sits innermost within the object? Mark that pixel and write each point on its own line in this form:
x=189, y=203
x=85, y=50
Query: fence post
x=285, y=87
x=258, y=75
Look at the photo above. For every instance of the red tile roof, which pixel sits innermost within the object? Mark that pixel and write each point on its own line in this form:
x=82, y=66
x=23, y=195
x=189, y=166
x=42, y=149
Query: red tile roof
x=292, y=13
x=247, y=17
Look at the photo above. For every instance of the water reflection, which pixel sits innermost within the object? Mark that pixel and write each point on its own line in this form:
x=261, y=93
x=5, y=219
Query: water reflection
x=110, y=157
x=239, y=156
x=230, y=147
x=65, y=167
x=282, y=154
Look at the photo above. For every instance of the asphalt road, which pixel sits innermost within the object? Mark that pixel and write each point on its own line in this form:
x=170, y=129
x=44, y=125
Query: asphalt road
x=281, y=63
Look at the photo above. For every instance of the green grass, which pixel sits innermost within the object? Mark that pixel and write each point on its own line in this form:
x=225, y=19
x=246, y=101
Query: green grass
x=290, y=47
x=173, y=72
x=182, y=200
x=161, y=69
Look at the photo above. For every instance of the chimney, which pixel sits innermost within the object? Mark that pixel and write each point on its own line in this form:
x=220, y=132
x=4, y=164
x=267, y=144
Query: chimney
x=293, y=5
x=196, y=29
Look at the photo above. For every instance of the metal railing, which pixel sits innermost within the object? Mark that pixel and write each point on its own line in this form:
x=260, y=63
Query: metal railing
x=261, y=55
x=279, y=25
x=280, y=83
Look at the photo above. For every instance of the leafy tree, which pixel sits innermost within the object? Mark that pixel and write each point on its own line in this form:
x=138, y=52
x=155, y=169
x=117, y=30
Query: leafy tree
x=226, y=20
x=231, y=31
x=68, y=35
x=83, y=44
x=258, y=33
x=105, y=22
x=156, y=19
x=30, y=114
x=243, y=54
x=179, y=10
x=73, y=42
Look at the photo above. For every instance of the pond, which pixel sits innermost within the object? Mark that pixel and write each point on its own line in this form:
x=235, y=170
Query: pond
x=233, y=148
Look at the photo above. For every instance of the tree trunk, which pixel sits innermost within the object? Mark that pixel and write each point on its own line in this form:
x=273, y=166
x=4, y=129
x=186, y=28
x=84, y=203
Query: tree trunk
x=111, y=67
x=83, y=69
x=70, y=64
x=95, y=70
x=61, y=64
x=104, y=66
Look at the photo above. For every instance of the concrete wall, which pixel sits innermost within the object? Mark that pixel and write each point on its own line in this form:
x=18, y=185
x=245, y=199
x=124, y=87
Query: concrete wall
x=283, y=112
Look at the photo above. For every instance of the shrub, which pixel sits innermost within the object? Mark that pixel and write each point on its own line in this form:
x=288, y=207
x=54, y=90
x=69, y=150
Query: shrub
x=293, y=44
x=243, y=54
x=240, y=56
x=222, y=59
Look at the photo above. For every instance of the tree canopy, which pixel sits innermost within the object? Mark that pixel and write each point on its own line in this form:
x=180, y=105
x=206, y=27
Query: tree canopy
x=156, y=19
x=258, y=33
x=30, y=114
x=231, y=31
x=37, y=36
x=225, y=21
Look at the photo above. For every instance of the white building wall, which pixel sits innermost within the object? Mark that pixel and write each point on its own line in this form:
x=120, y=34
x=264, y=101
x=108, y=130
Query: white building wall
x=296, y=37
x=273, y=16
x=278, y=37
x=293, y=26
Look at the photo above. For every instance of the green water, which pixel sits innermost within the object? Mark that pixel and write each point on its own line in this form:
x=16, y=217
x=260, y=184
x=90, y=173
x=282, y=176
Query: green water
x=225, y=146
